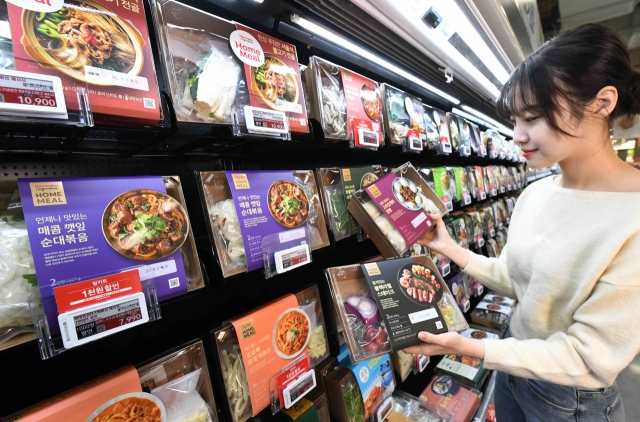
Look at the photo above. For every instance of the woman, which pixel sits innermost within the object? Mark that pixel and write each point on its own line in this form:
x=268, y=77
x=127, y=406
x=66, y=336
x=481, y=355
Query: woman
x=573, y=256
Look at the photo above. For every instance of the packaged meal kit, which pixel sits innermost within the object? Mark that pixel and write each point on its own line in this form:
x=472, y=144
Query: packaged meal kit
x=394, y=210
x=463, y=193
x=93, y=50
x=244, y=72
x=442, y=123
x=445, y=185
x=306, y=410
x=460, y=291
x=492, y=314
x=467, y=370
x=337, y=186
x=180, y=379
x=347, y=105
x=403, y=118
x=432, y=129
x=454, y=129
x=407, y=408
x=444, y=391
x=259, y=350
x=361, y=391
x=374, y=302
x=257, y=204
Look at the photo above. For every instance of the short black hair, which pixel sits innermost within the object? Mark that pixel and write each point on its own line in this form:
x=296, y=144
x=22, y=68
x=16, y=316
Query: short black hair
x=572, y=67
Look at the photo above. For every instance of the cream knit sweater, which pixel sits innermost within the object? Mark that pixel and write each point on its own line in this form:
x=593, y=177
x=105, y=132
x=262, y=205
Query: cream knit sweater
x=573, y=263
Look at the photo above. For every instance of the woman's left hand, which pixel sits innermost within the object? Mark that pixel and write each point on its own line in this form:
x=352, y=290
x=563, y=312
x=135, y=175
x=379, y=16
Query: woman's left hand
x=447, y=344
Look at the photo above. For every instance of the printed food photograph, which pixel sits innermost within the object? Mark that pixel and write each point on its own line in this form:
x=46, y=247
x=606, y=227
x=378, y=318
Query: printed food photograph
x=442, y=385
x=479, y=334
x=132, y=407
x=288, y=204
x=408, y=194
x=83, y=34
x=371, y=102
x=291, y=333
x=275, y=83
x=375, y=394
x=419, y=284
x=145, y=224
x=493, y=307
x=367, y=179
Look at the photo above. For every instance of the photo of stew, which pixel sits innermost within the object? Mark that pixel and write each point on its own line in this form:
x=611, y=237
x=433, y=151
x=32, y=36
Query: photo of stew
x=479, y=334
x=274, y=83
x=419, y=284
x=291, y=333
x=145, y=224
x=132, y=407
x=288, y=204
x=83, y=33
x=494, y=307
x=367, y=179
x=371, y=102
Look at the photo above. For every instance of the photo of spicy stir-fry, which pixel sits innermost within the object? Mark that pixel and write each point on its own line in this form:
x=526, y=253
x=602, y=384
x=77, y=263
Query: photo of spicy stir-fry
x=288, y=204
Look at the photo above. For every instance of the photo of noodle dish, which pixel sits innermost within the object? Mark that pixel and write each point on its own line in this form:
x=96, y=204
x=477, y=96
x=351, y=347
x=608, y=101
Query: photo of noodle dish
x=275, y=84
x=291, y=333
x=145, y=224
x=131, y=407
x=83, y=33
x=419, y=284
x=288, y=204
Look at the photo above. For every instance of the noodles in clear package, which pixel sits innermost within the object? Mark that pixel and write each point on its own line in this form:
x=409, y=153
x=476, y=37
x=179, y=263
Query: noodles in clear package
x=182, y=401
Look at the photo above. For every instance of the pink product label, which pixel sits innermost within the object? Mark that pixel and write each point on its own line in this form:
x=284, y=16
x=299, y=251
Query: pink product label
x=412, y=222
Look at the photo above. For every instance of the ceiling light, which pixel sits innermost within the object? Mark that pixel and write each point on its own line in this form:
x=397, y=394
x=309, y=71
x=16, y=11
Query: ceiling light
x=259, y=1
x=344, y=43
x=499, y=126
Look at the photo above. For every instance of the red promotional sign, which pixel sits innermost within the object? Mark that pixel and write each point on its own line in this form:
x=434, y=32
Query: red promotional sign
x=291, y=374
x=89, y=292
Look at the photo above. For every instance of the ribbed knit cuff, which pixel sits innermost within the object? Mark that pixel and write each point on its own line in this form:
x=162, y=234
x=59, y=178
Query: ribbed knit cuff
x=496, y=353
x=474, y=264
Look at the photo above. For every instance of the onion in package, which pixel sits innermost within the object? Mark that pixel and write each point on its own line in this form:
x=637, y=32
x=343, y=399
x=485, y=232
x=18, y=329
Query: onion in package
x=17, y=273
x=182, y=401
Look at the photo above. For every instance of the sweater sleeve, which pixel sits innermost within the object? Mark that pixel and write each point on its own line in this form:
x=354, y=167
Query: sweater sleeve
x=600, y=343
x=492, y=272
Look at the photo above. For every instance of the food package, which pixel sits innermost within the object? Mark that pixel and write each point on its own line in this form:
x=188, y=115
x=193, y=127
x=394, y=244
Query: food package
x=445, y=185
x=402, y=113
x=467, y=370
x=466, y=133
x=432, y=129
x=239, y=67
x=112, y=60
x=347, y=105
x=407, y=408
x=491, y=185
x=366, y=325
x=104, y=398
x=493, y=313
x=460, y=291
x=444, y=391
x=442, y=123
x=460, y=230
x=233, y=199
x=345, y=399
x=306, y=409
x=473, y=222
x=454, y=129
x=477, y=146
x=473, y=285
x=180, y=379
x=463, y=193
x=337, y=185
x=240, y=370
x=17, y=272
x=405, y=197
x=402, y=364
x=472, y=185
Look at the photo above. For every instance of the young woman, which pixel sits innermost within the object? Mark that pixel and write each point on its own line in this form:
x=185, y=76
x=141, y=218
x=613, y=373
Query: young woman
x=573, y=256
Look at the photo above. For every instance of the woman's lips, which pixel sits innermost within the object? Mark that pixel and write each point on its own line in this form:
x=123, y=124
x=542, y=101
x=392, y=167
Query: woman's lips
x=528, y=153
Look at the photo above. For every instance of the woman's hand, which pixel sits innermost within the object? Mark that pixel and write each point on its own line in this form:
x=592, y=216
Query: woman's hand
x=440, y=241
x=447, y=344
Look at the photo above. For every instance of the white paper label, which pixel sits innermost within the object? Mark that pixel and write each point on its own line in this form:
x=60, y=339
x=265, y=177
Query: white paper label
x=502, y=189
x=492, y=232
x=508, y=220
x=288, y=259
x=466, y=200
x=483, y=150
x=449, y=205
x=466, y=305
x=38, y=5
x=419, y=219
x=299, y=388
x=424, y=315
x=290, y=235
x=480, y=242
x=445, y=270
x=384, y=409
x=247, y=48
x=494, y=192
x=446, y=148
x=483, y=195
x=99, y=76
x=500, y=226
x=147, y=272
x=467, y=150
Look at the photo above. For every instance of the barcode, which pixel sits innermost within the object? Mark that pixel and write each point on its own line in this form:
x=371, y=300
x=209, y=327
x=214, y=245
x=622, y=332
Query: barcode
x=149, y=103
x=439, y=325
x=66, y=331
x=100, y=328
x=174, y=282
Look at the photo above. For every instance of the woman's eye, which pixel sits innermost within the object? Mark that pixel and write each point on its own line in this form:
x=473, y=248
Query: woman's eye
x=530, y=119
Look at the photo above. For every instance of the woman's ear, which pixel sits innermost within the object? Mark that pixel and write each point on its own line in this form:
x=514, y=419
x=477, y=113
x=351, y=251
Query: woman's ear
x=605, y=101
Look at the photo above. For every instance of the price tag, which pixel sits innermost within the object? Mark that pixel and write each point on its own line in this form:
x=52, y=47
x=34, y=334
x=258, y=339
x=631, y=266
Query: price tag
x=466, y=200
x=465, y=305
x=466, y=150
x=288, y=259
x=492, y=232
x=96, y=321
x=262, y=121
x=299, y=388
x=483, y=195
x=494, y=192
x=449, y=205
x=413, y=138
x=483, y=150
x=508, y=220
x=509, y=187
x=480, y=243
x=384, y=409
x=422, y=362
x=445, y=269
x=502, y=189
x=368, y=138
x=446, y=148
x=31, y=94
x=500, y=226
x=479, y=289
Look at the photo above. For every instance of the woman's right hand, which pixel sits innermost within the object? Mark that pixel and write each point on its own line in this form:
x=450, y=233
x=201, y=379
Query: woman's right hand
x=437, y=239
